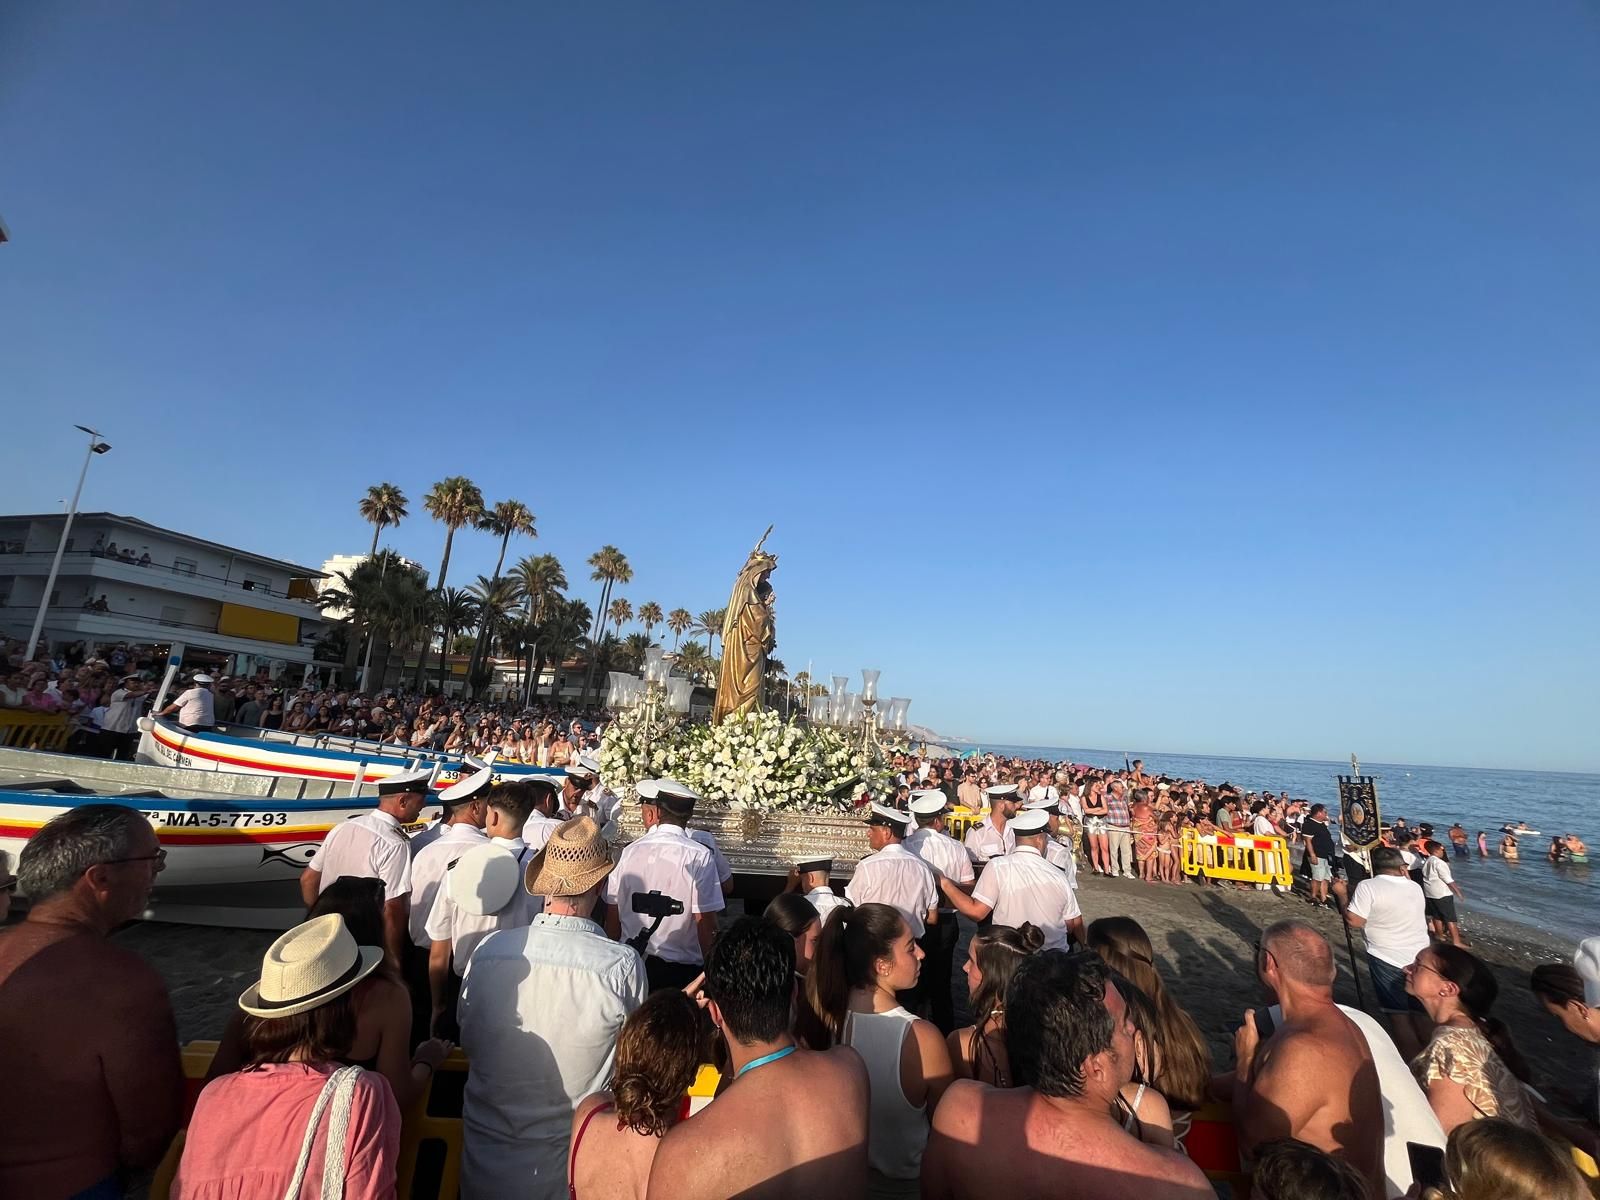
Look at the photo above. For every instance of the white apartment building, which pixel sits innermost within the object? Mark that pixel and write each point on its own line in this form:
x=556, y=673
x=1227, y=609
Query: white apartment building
x=124, y=580
x=344, y=564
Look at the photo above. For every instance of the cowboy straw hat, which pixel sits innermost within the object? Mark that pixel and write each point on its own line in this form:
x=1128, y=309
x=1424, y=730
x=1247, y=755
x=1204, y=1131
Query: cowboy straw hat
x=572, y=861
x=308, y=966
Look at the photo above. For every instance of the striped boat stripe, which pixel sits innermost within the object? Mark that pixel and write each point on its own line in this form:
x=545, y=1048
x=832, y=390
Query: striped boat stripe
x=199, y=837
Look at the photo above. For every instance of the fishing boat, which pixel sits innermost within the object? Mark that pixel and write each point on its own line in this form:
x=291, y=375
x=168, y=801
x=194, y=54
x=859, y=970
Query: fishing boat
x=236, y=843
x=250, y=751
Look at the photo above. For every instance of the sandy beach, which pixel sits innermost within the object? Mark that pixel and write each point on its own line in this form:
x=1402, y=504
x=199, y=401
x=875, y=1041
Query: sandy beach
x=1205, y=938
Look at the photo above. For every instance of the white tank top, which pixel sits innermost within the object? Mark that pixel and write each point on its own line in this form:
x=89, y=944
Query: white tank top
x=899, y=1132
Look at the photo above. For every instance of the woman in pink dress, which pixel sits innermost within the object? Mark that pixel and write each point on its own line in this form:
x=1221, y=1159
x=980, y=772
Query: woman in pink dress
x=263, y=1133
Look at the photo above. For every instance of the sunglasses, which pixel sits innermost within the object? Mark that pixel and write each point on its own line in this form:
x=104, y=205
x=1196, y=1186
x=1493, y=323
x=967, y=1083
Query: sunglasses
x=160, y=856
x=8, y=885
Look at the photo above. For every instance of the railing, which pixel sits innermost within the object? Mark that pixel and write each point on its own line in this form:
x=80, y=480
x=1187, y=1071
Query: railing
x=210, y=627
x=27, y=730
x=165, y=568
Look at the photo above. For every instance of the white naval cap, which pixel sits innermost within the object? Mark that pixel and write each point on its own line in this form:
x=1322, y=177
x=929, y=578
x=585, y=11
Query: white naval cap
x=483, y=879
x=928, y=801
x=405, y=781
x=882, y=814
x=583, y=764
x=675, y=797
x=1043, y=804
x=1001, y=790
x=1030, y=820
x=463, y=790
x=647, y=789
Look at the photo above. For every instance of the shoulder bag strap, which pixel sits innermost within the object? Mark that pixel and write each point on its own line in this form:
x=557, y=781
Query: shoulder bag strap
x=292, y=1192
x=334, y=1154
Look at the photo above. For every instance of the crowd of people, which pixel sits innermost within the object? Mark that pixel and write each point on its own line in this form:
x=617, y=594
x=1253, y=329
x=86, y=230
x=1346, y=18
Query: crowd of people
x=587, y=987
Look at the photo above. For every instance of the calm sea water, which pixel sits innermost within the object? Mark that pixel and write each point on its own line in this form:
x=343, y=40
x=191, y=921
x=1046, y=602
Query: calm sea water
x=1561, y=900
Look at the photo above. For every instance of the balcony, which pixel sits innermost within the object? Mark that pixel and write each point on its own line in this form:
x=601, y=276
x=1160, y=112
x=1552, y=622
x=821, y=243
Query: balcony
x=298, y=599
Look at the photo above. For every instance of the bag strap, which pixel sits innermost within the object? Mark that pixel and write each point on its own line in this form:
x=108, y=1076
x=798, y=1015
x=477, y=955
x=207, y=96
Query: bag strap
x=333, y=1156
x=341, y=1081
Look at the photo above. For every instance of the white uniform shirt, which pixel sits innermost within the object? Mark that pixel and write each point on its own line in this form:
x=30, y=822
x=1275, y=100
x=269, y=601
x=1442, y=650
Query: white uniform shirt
x=1044, y=791
x=984, y=841
x=1061, y=857
x=824, y=900
x=666, y=860
x=428, y=866
x=449, y=922
x=898, y=878
x=370, y=845
x=1020, y=887
x=944, y=854
x=540, y=1011
x=1436, y=878
x=1397, y=926
x=707, y=839
x=537, y=829
x=196, y=707
x=425, y=837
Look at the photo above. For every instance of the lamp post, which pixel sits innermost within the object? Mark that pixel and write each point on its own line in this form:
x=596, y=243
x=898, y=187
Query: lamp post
x=96, y=446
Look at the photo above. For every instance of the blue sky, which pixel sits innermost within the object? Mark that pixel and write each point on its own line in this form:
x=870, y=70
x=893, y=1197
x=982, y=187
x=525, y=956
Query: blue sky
x=1200, y=378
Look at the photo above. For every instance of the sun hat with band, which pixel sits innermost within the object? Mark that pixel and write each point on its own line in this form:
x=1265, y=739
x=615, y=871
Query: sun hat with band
x=573, y=860
x=310, y=965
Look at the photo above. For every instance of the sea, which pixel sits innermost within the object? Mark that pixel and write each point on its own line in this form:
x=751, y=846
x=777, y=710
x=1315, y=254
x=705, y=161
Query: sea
x=1563, y=901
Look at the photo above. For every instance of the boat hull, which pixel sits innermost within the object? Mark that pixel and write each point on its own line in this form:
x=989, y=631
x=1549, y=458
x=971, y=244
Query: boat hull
x=209, y=841
x=363, y=764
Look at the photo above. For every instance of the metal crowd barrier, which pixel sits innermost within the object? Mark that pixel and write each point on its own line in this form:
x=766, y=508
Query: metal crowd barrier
x=1246, y=858
x=32, y=730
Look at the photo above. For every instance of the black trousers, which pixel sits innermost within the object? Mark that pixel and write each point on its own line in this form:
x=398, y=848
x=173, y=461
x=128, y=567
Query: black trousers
x=415, y=972
x=660, y=973
x=938, y=962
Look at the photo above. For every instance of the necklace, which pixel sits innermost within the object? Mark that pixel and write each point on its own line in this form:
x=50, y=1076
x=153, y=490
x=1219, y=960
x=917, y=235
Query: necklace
x=765, y=1059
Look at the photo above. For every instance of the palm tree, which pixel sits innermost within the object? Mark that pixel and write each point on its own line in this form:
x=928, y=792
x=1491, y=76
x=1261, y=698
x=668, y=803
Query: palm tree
x=496, y=600
x=384, y=596
x=609, y=567
x=710, y=624
x=506, y=518
x=384, y=504
x=542, y=581
x=694, y=661
x=649, y=616
x=680, y=622
x=560, y=635
x=603, y=655
x=631, y=655
x=455, y=503
x=454, y=610
x=620, y=612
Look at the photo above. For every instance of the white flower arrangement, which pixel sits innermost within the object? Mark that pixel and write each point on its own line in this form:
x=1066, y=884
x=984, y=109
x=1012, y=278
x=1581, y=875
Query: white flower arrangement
x=751, y=762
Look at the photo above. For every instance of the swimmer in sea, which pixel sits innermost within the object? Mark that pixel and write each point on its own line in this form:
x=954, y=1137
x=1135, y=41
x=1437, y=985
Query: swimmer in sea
x=1483, y=844
x=1508, y=848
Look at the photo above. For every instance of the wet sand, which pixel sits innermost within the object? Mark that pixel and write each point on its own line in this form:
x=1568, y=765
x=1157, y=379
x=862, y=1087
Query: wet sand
x=1205, y=940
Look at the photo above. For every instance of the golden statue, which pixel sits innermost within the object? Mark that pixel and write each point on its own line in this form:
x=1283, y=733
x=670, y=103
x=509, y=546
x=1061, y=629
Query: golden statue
x=748, y=636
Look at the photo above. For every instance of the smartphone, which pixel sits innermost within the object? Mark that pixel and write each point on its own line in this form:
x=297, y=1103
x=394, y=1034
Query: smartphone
x=1264, y=1025
x=1427, y=1165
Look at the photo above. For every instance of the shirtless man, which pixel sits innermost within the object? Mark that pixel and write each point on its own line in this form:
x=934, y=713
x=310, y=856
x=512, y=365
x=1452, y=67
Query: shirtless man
x=1071, y=1049
x=755, y=1140
x=1314, y=1077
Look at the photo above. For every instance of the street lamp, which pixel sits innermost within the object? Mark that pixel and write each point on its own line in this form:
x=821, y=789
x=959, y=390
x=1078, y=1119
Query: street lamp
x=96, y=446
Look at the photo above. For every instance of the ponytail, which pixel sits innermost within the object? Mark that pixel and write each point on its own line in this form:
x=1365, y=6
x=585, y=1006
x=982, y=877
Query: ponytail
x=853, y=939
x=1478, y=990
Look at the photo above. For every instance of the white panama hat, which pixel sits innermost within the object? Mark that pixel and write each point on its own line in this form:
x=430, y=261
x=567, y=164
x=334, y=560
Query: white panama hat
x=483, y=880
x=310, y=965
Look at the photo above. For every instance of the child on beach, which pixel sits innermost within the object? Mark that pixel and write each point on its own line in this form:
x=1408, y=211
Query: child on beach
x=1167, y=838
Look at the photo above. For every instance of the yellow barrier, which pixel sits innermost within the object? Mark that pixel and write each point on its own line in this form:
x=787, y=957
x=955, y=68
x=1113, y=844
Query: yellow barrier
x=959, y=820
x=1245, y=857
x=33, y=731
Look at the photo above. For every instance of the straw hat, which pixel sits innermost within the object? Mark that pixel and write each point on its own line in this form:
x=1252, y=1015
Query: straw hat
x=572, y=861
x=308, y=966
